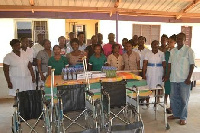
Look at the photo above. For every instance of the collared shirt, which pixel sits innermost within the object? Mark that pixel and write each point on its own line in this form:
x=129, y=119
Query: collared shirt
x=180, y=63
x=58, y=64
x=141, y=54
x=97, y=63
x=116, y=62
x=44, y=57
x=69, y=48
x=82, y=47
x=107, y=49
x=18, y=65
x=130, y=61
x=29, y=53
x=36, y=48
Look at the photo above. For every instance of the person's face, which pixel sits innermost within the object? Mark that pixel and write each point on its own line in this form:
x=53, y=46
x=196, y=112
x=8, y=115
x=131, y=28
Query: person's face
x=135, y=39
x=94, y=40
x=164, y=41
x=16, y=47
x=128, y=47
x=47, y=45
x=116, y=50
x=30, y=43
x=97, y=50
x=180, y=39
x=40, y=38
x=124, y=42
x=62, y=42
x=100, y=37
x=154, y=46
x=71, y=36
x=141, y=41
x=111, y=38
x=75, y=46
x=56, y=51
x=171, y=43
x=81, y=38
x=25, y=42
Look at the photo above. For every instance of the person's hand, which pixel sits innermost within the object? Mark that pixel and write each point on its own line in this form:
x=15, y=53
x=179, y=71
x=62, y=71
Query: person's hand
x=10, y=86
x=33, y=79
x=165, y=78
x=43, y=77
x=187, y=82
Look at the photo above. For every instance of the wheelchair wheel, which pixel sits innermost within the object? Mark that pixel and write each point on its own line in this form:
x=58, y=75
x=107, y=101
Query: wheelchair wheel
x=58, y=118
x=47, y=124
x=98, y=114
x=16, y=128
x=90, y=122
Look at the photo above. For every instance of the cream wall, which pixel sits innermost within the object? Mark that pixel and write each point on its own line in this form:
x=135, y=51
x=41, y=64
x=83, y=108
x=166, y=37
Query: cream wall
x=56, y=29
x=90, y=26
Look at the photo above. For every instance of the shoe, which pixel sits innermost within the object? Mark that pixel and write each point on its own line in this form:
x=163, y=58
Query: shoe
x=169, y=111
x=171, y=117
x=183, y=122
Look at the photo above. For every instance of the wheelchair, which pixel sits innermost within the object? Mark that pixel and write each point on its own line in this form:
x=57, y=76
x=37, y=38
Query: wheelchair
x=115, y=94
x=29, y=105
x=76, y=98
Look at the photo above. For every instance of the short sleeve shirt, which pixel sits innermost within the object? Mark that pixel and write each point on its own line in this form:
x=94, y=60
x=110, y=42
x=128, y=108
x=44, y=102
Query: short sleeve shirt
x=130, y=62
x=107, y=48
x=116, y=62
x=97, y=63
x=18, y=65
x=180, y=63
x=58, y=65
x=44, y=57
x=141, y=54
x=75, y=60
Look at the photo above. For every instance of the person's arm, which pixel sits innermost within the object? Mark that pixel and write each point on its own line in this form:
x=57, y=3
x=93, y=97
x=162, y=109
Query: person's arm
x=145, y=62
x=6, y=73
x=188, y=81
x=164, y=70
x=138, y=65
x=168, y=72
x=90, y=67
x=31, y=71
x=39, y=64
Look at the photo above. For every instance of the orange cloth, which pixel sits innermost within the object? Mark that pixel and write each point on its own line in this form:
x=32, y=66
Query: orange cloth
x=58, y=81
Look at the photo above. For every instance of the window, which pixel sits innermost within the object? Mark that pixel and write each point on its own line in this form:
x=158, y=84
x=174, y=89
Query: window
x=188, y=32
x=151, y=32
x=31, y=29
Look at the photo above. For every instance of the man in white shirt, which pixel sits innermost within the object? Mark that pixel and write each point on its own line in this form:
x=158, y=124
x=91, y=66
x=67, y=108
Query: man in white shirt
x=81, y=38
x=68, y=45
x=181, y=65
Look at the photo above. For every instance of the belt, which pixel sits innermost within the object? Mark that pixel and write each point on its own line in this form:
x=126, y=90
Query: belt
x=155, y=64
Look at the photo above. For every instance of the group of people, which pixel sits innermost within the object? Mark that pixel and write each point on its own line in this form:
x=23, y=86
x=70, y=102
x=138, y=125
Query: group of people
x=165, y=63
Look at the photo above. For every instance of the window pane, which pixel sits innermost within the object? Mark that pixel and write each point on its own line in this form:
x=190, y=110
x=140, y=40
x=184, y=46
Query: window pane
x=24, y=29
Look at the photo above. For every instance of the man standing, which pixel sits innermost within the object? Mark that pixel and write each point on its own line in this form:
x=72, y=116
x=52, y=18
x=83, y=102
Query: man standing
x=68, y=45
x=107, y=48
x=81, y=38
x=181, y=65
x=62, y=44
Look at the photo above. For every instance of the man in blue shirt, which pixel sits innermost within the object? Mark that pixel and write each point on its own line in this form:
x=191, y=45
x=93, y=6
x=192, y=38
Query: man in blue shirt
x=181, y=65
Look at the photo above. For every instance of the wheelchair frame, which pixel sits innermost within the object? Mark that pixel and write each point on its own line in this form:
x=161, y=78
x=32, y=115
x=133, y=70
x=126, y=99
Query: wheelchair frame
x=132, y=105
x=17, y=118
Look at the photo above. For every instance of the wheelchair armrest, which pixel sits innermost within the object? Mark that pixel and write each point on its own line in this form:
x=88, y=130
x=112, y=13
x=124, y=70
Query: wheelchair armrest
x=89, y=93
x=131, y=90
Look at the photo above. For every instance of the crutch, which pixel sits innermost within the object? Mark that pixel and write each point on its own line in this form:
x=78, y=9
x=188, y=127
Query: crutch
x=52, y=97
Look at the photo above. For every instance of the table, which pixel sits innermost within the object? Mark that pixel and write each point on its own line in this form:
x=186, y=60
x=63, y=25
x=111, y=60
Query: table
x=195, y=76
x=95, y=85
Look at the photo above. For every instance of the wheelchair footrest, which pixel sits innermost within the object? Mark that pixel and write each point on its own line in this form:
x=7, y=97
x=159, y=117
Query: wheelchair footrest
x=136, y=127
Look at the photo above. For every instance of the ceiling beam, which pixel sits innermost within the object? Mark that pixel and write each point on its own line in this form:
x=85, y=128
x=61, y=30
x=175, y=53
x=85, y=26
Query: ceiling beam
x=188, y=8
x=97, y=10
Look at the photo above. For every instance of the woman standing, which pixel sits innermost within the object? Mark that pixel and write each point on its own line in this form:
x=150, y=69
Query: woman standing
x=171, y=43
x=75, y=57
x=131, y=58
x=115, y=59
x=42, y=60
x=57, y=62
x=18, y=69
x=97, y=60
